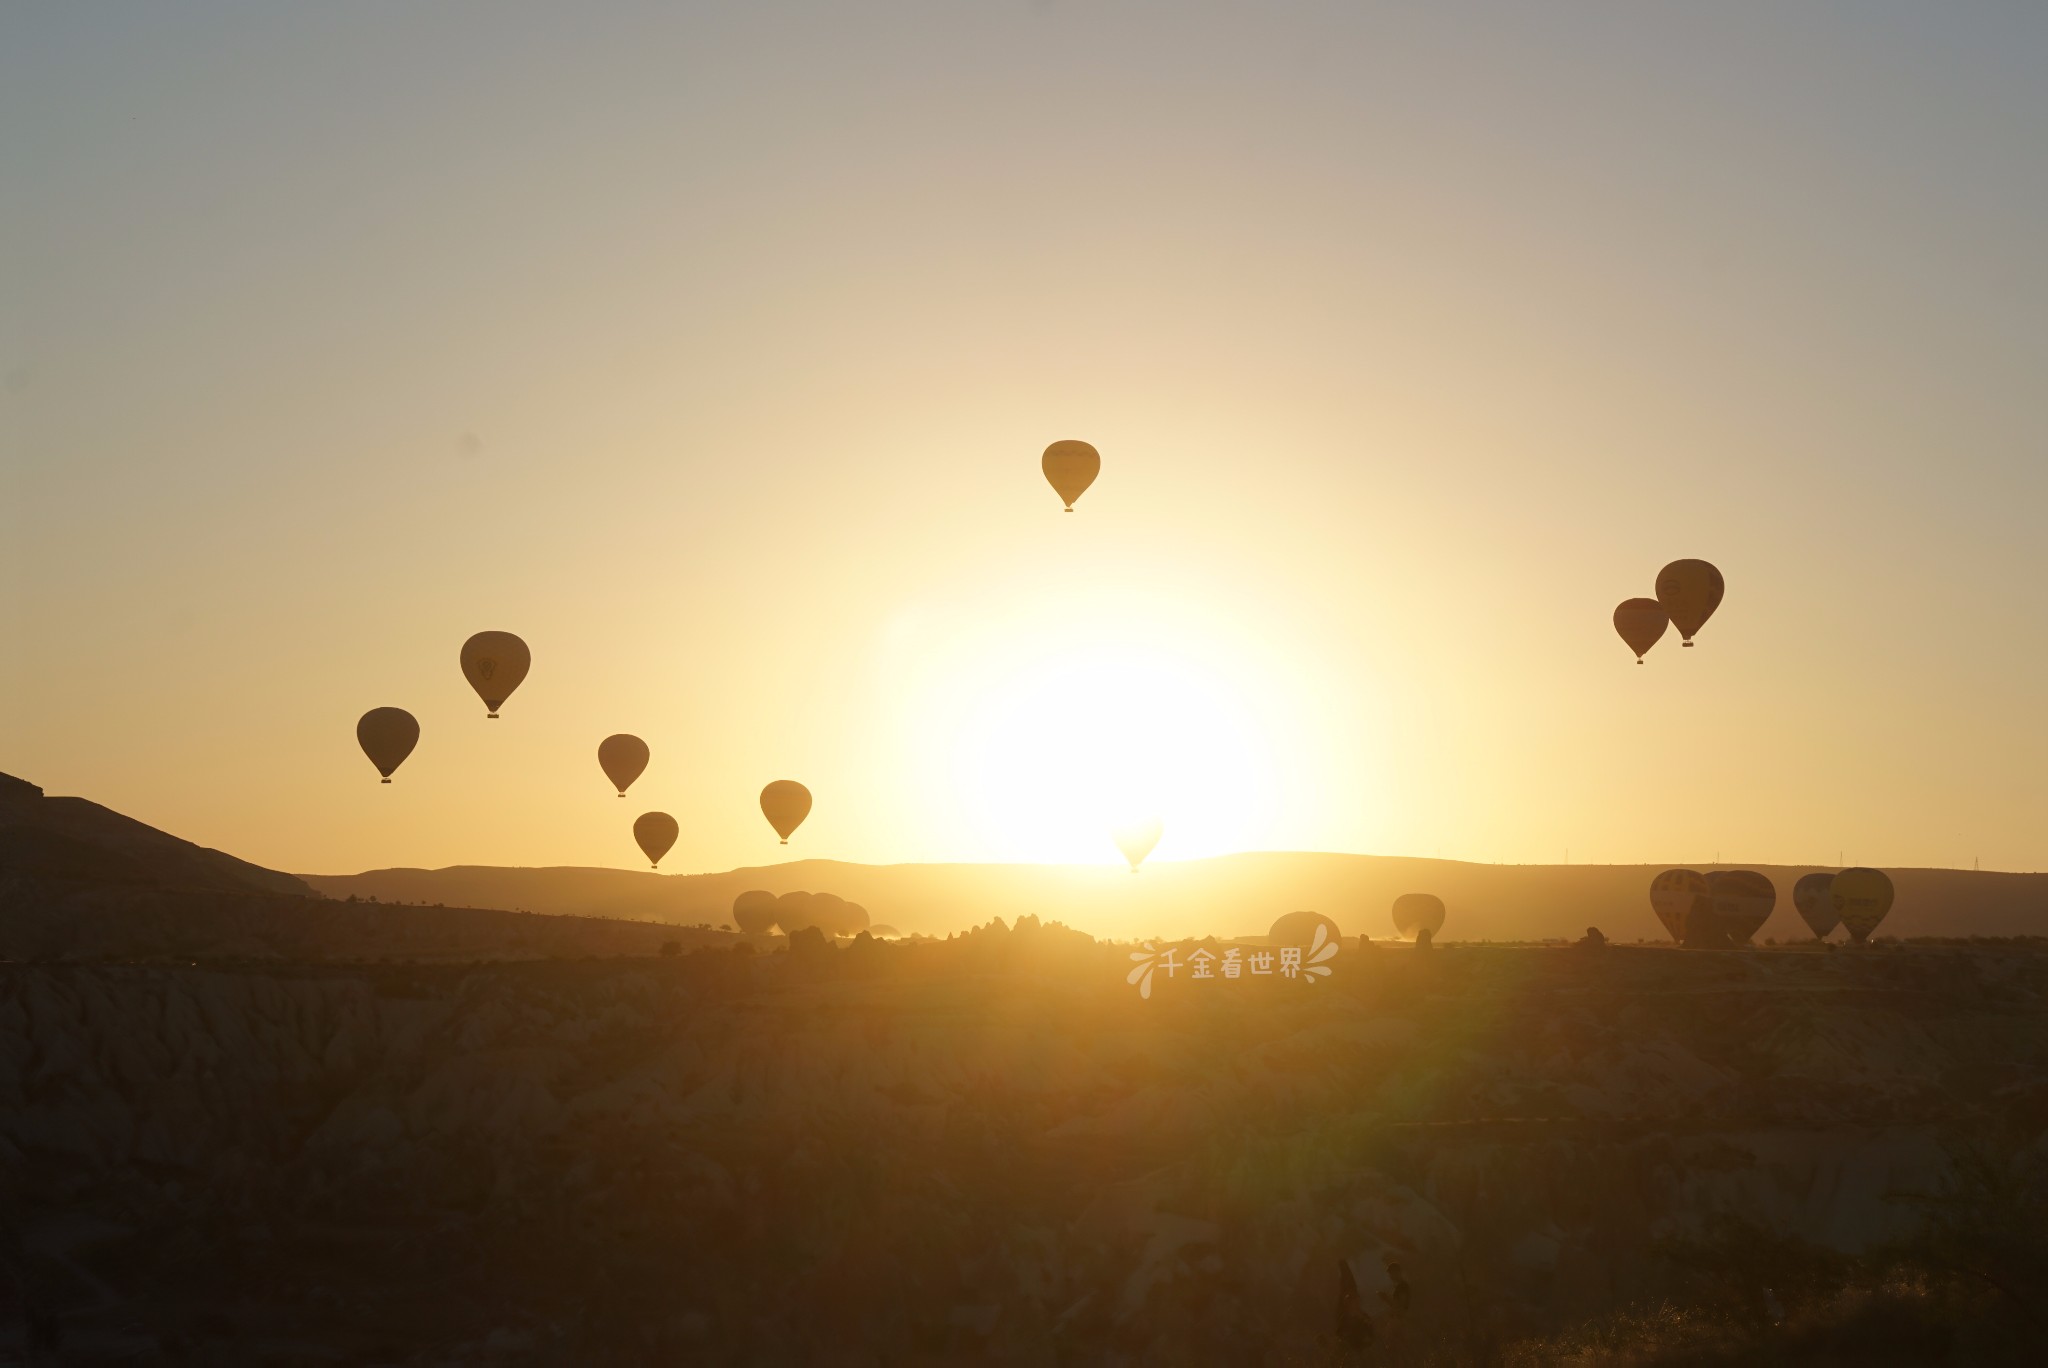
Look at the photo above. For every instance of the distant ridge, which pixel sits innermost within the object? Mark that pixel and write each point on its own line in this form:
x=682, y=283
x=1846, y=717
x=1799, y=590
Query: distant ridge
x=1225, y=895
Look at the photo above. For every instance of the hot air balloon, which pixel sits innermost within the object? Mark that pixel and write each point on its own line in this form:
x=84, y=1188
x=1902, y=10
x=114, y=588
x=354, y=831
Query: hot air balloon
x=1742, y=900
x=622, y=758
x=1690, y=591
x=387, y=736
x=1861, y=898
x=494, y=663
x=785, y=803
x=1070, y=467
x=1674, y=895
x=1136, y=841
x=1299, y=928
x=1641, y=623
x=754, y=911
x=1416, y=912
x=1814, y=897
x=656, y=832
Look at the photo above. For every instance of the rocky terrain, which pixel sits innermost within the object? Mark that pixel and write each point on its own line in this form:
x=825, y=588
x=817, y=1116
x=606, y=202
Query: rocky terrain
x=993, y=1149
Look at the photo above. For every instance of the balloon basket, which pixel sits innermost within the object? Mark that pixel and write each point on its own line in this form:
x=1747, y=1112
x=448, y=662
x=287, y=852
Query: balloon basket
x=384, y=781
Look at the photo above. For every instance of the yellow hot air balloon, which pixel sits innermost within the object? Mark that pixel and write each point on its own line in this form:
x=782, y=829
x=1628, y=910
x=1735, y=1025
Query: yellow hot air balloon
x=1861, y=898
x=656, y=832
x=1674, y=895
x=1070, y=467
x=1814, y=897
x=494, y=663
x=1416, y=912
x=785, y=803
x=1136, y=841
x=1742, y=900
x=622, y=758
x=387, y=736
x=1641, y=623
x=1690, y=591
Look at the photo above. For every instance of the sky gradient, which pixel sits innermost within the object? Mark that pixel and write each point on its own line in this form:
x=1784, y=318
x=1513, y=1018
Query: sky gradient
x=712, y=348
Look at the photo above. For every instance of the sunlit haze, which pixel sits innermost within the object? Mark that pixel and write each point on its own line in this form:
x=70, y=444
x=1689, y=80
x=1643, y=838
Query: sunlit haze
x=712, y=349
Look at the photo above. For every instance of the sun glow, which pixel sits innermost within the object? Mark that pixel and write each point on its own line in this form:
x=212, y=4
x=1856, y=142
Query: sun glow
x=1059, y=757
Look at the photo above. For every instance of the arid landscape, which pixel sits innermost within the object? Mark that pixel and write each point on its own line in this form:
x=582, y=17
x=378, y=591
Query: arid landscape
x=529, y=1139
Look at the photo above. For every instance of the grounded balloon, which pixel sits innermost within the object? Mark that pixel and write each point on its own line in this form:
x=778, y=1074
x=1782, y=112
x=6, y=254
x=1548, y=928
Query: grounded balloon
x=494, y=663
x=1070, y=467
x=1814, y=897
x=622, y=758
x=1136, y=842
x=1299, y=928
x=754, y=911
x=785, y=803
x=1690, y=591
x=387, y=736
x=1674, y=895
x=656, y=832
x=1641, y=623
x=1861, y=898
x=1417, y=912
x=1742, y=900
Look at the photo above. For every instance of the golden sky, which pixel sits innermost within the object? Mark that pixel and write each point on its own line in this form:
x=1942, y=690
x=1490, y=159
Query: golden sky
x=712, y=348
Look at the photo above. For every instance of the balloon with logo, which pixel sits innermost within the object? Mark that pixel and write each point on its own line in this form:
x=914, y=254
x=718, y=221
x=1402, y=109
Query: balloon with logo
x=1689, y=592
x=494, y=663
x=785, y=803
x=1742, y=900
x=1861, y=898
x=622, y=758
x=387, y=736
x=1418, y=912
x=1814, y=897
x=1674, y=895
x=1136, y=841
x=1070, y=467
x=656, y=832
x=1641, y=623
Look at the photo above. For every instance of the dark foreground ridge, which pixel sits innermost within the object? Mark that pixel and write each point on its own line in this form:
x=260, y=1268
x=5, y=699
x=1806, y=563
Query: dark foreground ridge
x=991, y=1148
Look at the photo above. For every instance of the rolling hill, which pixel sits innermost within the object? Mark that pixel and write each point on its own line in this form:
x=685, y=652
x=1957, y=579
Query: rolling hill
x=1227, y=895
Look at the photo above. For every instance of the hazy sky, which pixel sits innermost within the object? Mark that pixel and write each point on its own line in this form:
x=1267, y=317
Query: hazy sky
x=712, y=347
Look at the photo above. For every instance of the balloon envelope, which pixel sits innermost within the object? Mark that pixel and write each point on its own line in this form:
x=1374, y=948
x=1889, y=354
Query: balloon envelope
x=494, y=663
x=1742, y=900
x=1136, y=841
x=785, y=803
x=1673, y=896
x=1861, y=898
x=1415, y=912
x=1814, y=897
x=1641, y=623
x=387, y=736
x=622, y=758
x=1299, y=928
x=656, y=832
x=1690, y=591
x=754, y=911
x=1070, y=467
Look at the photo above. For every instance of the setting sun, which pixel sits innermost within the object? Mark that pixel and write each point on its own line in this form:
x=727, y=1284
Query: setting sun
x=1061, y=755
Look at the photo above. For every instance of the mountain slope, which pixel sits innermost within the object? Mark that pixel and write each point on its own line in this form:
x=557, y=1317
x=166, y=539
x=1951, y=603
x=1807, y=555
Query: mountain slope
x=74, y=841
